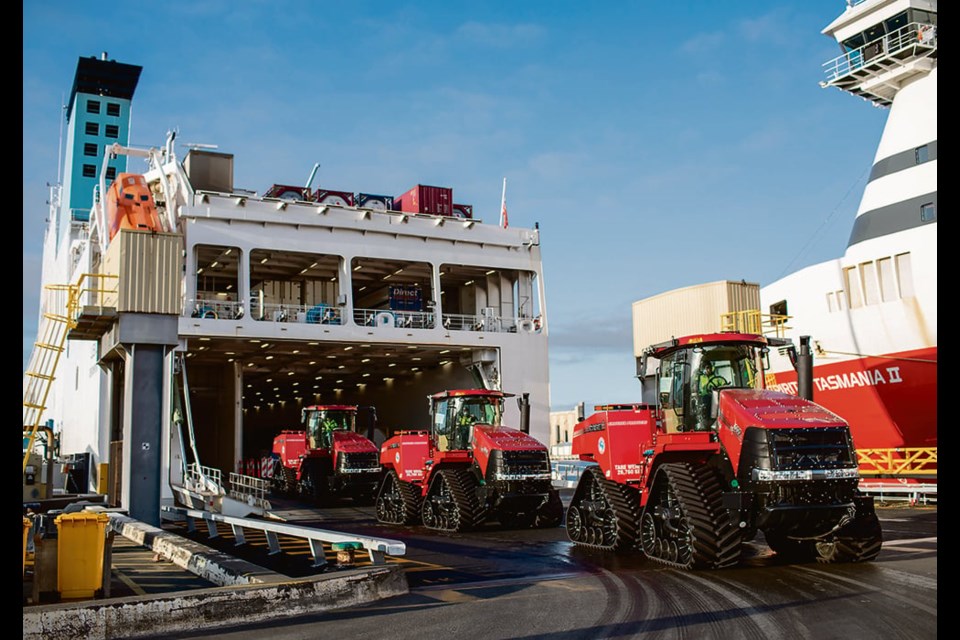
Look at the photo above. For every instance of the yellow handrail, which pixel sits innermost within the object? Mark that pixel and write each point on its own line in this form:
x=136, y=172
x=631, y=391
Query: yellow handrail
x=907, y=462
x=56, y=329
x=753, y=321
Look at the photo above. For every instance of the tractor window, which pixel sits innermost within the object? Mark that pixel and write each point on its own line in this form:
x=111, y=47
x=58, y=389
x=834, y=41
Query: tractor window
x=322, y=423
x=674, y=389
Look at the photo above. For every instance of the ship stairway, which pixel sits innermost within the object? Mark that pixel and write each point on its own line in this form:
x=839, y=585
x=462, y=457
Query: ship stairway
x=201, y=487
x=63, y=309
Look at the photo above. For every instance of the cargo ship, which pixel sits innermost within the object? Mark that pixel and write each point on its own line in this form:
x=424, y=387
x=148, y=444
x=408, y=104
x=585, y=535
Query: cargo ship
x=272, y=298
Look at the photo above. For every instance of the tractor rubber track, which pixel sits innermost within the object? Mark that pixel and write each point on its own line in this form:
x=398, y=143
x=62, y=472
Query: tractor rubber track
x=625, y=502
x=715, y=540
x=409, y=496
x=463, y=490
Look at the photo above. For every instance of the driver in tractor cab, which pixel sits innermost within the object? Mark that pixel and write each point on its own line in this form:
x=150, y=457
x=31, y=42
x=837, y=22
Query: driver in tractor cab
x=327, y=427
x=461, y=434
x=707, y=381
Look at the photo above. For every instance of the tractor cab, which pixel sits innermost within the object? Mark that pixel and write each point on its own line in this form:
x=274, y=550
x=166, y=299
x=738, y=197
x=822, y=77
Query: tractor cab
x=453, y=414
x=320, y=421
x=692, y=372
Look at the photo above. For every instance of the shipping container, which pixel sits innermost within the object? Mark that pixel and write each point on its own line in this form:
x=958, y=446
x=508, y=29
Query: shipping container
x=288, y=192
x=375, y=202
x=691, y=310
x=149, y=272
x=335, y=198
x=426, y=199
x=462, y=210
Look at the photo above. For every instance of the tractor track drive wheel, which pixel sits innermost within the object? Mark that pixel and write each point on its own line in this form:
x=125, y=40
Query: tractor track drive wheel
x=397, y=502
x=603, y=514
x=451, y=502
x=684, y=524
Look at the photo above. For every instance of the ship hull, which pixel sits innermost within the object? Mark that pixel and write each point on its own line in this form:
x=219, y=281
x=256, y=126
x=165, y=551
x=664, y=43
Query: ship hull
x=890, y=400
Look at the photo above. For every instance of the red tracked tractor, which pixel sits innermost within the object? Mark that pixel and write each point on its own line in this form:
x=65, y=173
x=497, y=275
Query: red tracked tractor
x=467, y=469
x=328, y=459
x=716, y=457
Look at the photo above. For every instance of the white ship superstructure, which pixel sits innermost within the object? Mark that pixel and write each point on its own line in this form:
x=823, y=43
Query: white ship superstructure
x=274, y=299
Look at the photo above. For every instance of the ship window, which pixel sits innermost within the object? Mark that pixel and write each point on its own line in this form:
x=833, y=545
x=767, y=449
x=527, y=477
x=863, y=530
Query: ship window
x=111, y=131
x=111, y=173
x=871, y=291
x=854, y=43
x=93, y=106
x=851, y=284
x=831, y=301
x=922, y=154
x=840, y=301
x=904, y=275
x=92, y=129
x=90, y=149
x=928, y=212
x=923, y=17
x=874, y=32
x=888, y=281
x=113, y=109
x=896, y=22
x=89, y=171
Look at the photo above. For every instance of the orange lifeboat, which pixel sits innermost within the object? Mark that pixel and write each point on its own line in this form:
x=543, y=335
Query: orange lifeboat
x=130, y=205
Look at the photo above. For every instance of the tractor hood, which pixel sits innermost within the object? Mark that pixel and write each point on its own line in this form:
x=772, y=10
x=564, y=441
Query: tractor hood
x=503, y=438
x=773, y=409
x=350, y=442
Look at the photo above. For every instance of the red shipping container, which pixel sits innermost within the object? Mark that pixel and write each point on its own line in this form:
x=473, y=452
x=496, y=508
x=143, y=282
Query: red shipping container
x=426, y=199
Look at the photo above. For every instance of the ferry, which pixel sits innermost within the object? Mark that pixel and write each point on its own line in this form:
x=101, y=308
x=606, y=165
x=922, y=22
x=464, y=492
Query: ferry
x=871, y=314
x=270, y=297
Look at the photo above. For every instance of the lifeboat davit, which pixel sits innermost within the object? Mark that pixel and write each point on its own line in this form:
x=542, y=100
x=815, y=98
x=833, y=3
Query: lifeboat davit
x=130, y=205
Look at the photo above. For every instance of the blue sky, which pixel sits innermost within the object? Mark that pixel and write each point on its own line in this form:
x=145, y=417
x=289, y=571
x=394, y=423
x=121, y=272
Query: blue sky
x=636, y=134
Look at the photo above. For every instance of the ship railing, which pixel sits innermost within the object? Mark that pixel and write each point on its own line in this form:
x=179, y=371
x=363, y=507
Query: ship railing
x=755, y=322
x=394, y=318
x=214, y=309
x=918, y=36
x=491, y=322
x=204, y=480
x=250, y=489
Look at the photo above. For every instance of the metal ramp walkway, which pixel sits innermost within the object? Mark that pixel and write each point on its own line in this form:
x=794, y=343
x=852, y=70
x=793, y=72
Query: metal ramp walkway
x=201, y=487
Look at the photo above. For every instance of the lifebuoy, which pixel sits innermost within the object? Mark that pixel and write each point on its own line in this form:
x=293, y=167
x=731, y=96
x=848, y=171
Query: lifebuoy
x=208, y=312
x=526, y=325
x=385, y=319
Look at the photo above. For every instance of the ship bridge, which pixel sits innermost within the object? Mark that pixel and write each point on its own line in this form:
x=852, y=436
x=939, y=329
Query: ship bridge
x=885, y=46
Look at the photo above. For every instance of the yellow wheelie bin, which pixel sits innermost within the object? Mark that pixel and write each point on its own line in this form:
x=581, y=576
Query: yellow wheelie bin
x=81, y=538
